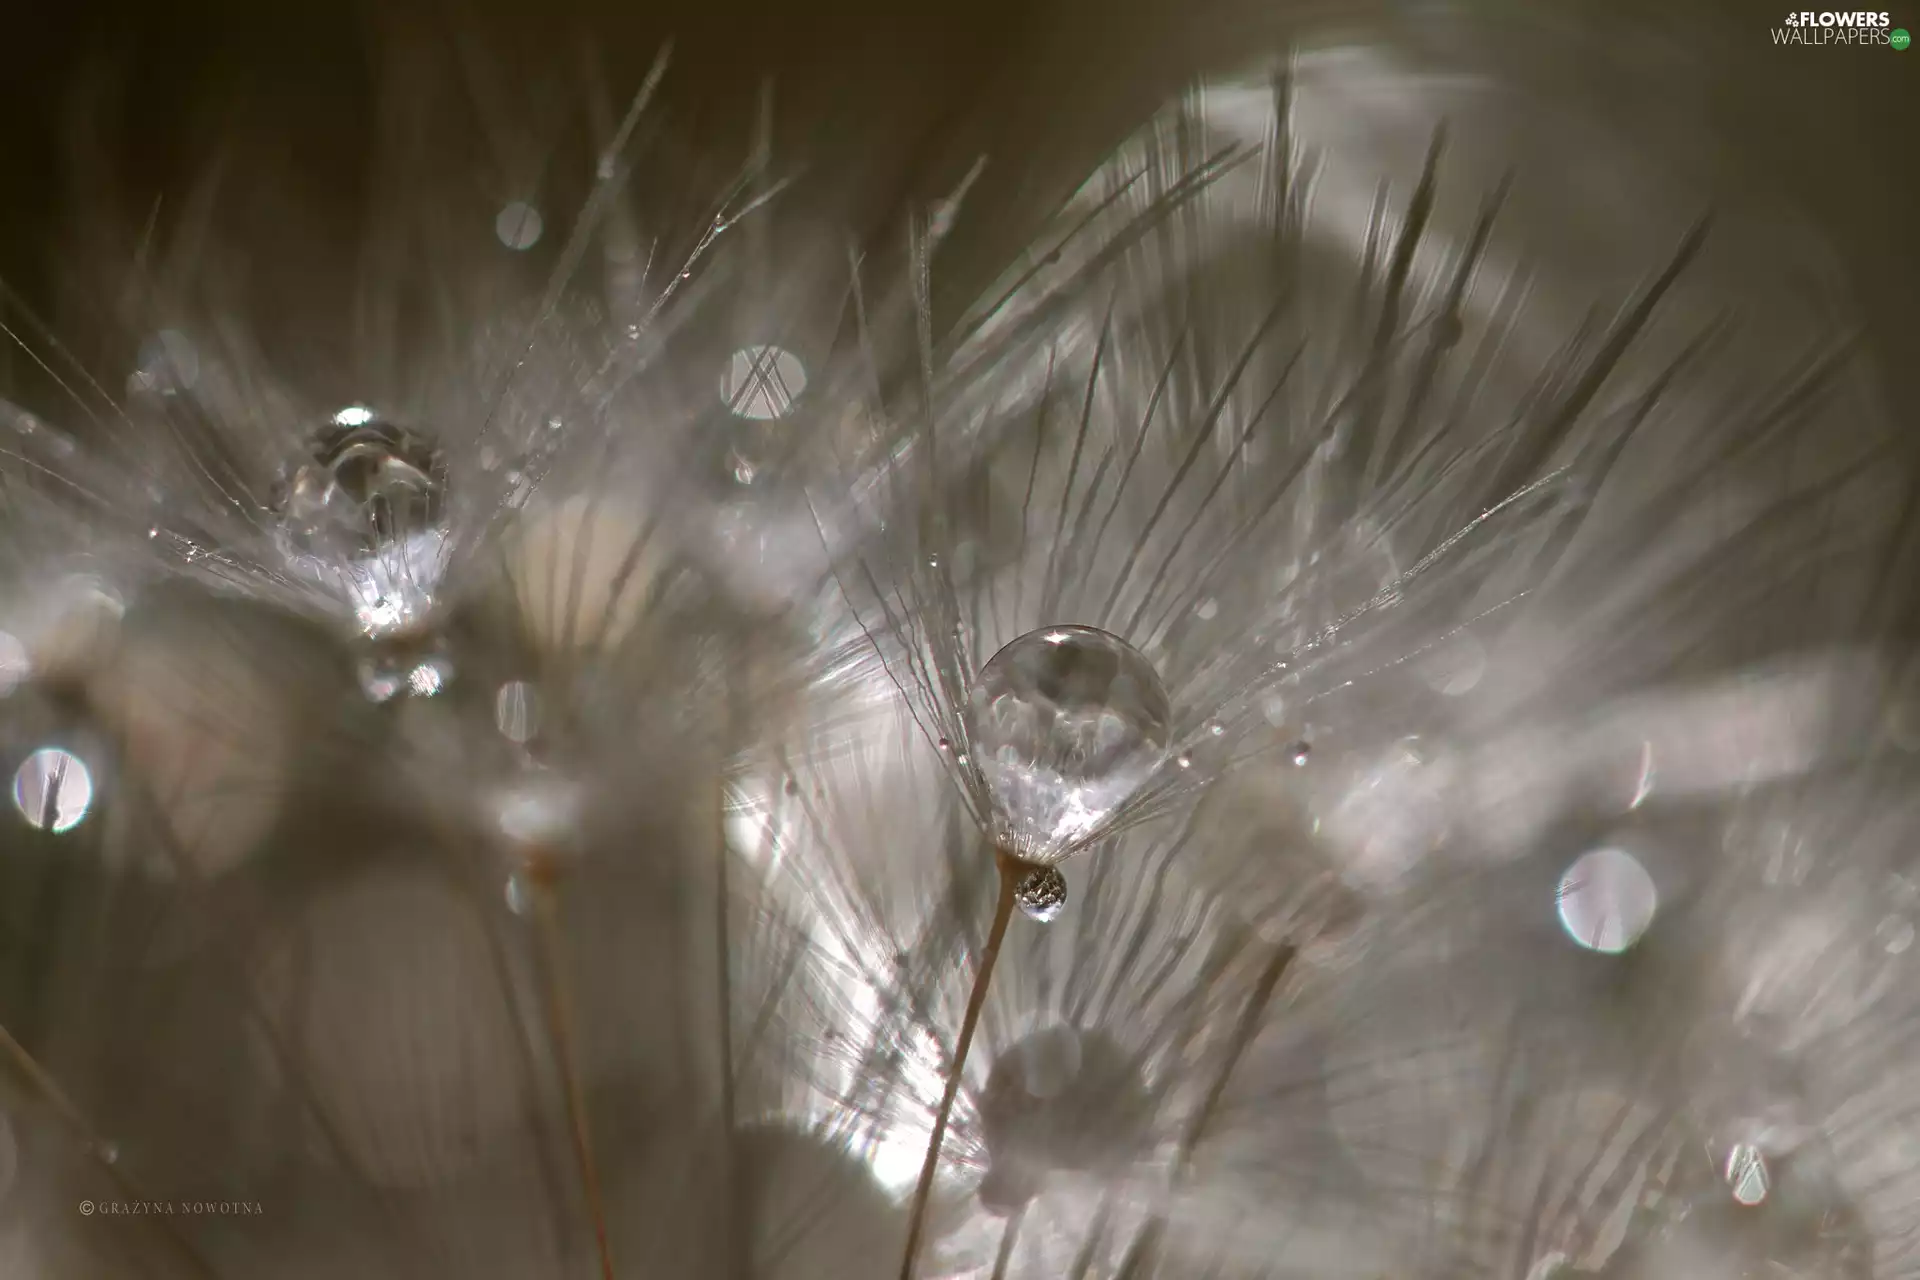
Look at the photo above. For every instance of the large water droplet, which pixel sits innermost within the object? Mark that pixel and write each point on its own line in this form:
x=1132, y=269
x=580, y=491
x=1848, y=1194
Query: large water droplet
x=1068, y=724
x=1042, y=894
x=364, y=517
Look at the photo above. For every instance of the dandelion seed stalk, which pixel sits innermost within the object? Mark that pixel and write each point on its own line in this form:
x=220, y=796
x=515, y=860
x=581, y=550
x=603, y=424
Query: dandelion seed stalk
x=1011, y=869
x=560, y=1027
x=49, y=1089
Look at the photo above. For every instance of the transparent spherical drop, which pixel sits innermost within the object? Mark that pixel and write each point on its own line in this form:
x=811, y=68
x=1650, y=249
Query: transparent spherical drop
x=364, y=517
x=1042, y=894
x=1068, y=724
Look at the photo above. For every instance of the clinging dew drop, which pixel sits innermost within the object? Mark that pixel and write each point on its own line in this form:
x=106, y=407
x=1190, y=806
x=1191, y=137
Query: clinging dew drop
x=1068, y=723
x=1042, y=894
x=364, y=517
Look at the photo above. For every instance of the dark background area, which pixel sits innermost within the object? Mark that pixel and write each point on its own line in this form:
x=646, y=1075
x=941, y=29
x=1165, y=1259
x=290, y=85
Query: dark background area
x=886, y=102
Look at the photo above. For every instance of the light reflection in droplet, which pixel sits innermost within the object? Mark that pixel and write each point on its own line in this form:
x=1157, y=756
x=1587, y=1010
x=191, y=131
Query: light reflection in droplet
x=1607, y=900
x=519, y=225
x=354, y=415
x=429, y=677
x=52, y=789
x=762, y=382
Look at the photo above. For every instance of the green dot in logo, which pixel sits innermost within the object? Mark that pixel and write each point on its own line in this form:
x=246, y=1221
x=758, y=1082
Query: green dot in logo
x=1899, y=38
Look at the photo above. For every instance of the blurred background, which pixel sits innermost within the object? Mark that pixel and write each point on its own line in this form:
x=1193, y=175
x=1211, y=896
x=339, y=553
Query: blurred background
x=1560, y=924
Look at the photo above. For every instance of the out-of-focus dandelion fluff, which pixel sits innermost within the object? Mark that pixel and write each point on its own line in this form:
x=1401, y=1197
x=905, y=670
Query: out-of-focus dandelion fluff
x=1068, y=723
x=388, y=992
x=582, y=570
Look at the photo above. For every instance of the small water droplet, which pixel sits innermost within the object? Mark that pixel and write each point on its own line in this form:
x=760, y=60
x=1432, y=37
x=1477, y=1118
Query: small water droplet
x=1301, y=753
x=519, y=489
x=429, y=677
x=1184, y=761
x=1607, y=901
x=519, y=226
x=519, y=900
x=1042, y=894
x=379, y=682
x=945, y=745
x=1216, y=729
x=1208, y=609
x=109, y=1152
x=516, y=711
x=762, y=382
x=1747, y=1174
x=1895, y=934
x=53, y=790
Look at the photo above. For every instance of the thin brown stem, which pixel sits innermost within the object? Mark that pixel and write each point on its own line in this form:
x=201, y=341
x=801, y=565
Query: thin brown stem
x=1008, y=1235
x=1010, y=872
x=560, y=1025
x=49, y=1090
